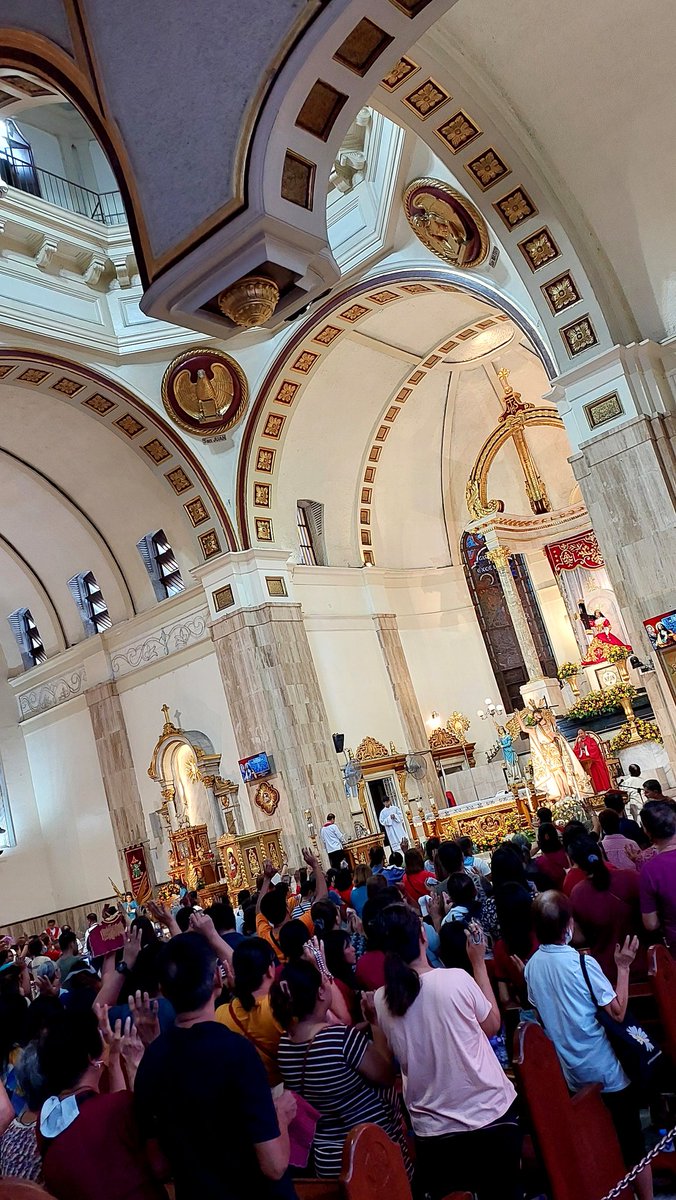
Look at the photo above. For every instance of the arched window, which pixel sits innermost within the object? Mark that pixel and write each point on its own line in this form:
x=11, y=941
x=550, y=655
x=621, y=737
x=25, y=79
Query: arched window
x=310, y=518
x=27, y=638
x=495, y=621
x=160, y=563
x=89, y=599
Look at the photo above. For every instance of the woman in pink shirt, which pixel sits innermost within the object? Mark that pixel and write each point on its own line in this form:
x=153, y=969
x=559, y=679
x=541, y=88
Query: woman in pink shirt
x=621, y=851
x=462, y=1106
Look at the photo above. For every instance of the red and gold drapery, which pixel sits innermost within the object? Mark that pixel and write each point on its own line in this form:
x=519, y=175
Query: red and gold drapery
x=138, y=874
x=570, y=553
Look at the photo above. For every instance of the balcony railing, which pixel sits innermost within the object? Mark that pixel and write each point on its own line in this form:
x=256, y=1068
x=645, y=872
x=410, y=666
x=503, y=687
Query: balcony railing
x=105, y=207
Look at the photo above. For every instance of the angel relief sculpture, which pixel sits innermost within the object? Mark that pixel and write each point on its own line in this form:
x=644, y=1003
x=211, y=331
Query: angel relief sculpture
x=204, y=391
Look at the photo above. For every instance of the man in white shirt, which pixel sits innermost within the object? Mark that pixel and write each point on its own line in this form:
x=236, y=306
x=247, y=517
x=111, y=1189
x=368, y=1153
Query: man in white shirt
x=333, y=841
x=392, y=821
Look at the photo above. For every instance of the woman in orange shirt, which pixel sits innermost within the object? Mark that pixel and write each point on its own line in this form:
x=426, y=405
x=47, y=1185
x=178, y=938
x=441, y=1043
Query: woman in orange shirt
x=254, y=964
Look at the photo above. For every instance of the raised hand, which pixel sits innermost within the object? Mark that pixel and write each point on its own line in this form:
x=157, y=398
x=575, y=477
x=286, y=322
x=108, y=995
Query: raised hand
x=132, y=1046
x=269, y=869
x=310, y=858
x=144, y=1014
x=132, y=946
x=476, y=944
x=625, y=954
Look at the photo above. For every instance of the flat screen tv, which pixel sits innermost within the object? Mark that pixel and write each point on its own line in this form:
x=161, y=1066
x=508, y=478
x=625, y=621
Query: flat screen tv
x=257, y=766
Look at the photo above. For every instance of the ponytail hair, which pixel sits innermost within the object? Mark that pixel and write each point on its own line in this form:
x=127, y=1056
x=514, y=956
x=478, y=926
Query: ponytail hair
x=399, y=935
x=587, y=855
x=293, y=995
x=251, y=961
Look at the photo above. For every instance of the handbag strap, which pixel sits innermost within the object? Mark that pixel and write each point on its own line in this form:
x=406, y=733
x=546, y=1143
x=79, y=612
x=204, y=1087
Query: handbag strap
x=255, y=1041
x=587, y=980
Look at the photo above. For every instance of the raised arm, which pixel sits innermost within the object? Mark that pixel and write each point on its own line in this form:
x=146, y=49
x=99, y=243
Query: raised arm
x=268, y=871
x=202, y=923
x=476, y=953
x=315, y=866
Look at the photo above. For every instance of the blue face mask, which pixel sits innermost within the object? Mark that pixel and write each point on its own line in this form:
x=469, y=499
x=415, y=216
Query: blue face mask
x=469, y=861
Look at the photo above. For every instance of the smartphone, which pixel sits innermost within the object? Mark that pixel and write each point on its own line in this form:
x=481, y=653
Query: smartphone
x=276, y=879
x=424, y=902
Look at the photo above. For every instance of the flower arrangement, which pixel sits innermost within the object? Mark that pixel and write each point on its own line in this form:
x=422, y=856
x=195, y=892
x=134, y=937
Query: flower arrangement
x=567, y=810
x=501, y=829
x=597, y=704
x=568, y=670
x=648, y=731
x=616, y=654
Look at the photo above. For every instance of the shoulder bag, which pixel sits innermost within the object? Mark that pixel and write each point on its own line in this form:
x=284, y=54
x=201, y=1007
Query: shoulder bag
x=637, y=1055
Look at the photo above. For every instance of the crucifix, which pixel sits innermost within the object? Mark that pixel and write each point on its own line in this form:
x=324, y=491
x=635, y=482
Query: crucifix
x=515, y=413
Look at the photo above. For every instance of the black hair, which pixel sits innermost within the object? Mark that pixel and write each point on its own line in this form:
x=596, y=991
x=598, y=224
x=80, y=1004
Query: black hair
x=187, y=966
x=331, y=877
x=35, y=946
x=384, y=898
x=544, y=815
x=183, y=918
x=634, y=769
x=67, y=1049
x=293, y=995
x=616, y=801
x=44, y=1012
x=223, y=916
x=13, y=1011
x=92, y=917
x=376, y=856
x=609, y=820
x=193, y=898
x=66, y=939
x=324, y=915
x=466, y=845
x=334, y=954
x=450, y=857
x=399, y=929
x=653, y=785
x=144, y=975
x=586, y=854
x=514, y=908
x=273, y=906
x=507, y=865
x=462, y=891
x=573, y=831
x=551, y=915
x=293, y=938
x=548, y=838
x=148, y=934
x=659, y=820
x=249, y=915
x=453, y=946
x=307, y=887
x=396, y=859
x=242, y=897
x=251, y=960
x=343, y=879
x=431, y=846
x=375, y=884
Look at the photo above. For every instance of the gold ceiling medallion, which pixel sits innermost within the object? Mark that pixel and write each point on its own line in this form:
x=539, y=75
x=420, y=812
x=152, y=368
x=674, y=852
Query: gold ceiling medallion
x=205, y=392
x=447, y=223
x=266, y=797
x=250, y=301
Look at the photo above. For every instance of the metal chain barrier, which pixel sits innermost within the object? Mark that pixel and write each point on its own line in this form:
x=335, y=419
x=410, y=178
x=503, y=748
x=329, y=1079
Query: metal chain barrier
x=632, y=1175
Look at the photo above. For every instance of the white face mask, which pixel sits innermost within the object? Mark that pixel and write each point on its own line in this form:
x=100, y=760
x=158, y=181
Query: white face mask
x=568, y=937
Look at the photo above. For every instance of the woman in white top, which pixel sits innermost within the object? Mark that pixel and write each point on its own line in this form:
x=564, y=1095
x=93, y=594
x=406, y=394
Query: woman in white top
x=462, y=1106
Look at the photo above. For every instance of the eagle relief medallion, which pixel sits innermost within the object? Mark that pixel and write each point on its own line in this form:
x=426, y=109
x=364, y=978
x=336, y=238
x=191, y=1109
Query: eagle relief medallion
x=446, y=222
x=205, y=392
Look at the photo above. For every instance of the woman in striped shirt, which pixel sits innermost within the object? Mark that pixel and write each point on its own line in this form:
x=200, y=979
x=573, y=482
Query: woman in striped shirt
x=347, y=1077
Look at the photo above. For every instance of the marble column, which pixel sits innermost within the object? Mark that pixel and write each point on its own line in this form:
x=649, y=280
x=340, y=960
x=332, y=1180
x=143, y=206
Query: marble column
x=276, y=705
x=117, y=771
x=407, y=701
x=620, y=413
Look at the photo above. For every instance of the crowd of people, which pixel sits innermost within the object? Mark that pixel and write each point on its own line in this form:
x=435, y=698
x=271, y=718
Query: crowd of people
x=229, y=1052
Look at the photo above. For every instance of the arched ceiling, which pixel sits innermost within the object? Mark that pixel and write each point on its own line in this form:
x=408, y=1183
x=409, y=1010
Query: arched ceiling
x=86, y=470
x=367, y=415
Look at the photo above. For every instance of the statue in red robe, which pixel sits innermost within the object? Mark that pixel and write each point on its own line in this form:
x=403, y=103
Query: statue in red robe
x=590, y=755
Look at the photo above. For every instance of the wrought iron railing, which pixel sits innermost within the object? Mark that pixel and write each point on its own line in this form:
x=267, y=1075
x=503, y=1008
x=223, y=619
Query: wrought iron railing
x=105, y=207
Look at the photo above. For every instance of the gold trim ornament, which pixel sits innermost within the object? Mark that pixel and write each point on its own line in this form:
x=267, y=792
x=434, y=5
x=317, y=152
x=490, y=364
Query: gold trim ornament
x=205, y=392
x=446, y=223
x=249, y=302
x=266, y=797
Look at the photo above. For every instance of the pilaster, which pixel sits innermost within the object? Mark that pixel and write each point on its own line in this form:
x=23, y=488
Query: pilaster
x=117, y=768
x=406, y=699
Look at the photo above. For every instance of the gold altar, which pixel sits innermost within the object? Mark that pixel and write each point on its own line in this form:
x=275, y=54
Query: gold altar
x=190, y=858
x=357, y=850
x=479, y=822
x=243, y=857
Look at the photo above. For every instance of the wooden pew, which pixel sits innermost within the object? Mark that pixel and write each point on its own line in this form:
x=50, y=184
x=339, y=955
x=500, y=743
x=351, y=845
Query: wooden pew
x=663, y=978
x=372, y=1169
x=574, y=1135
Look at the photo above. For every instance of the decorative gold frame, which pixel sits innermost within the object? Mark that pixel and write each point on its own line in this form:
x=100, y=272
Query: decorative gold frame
x=172, y=407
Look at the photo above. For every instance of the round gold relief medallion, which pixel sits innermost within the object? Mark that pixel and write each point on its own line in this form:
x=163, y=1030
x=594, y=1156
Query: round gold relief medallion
x=205, y=392
x=446, y=222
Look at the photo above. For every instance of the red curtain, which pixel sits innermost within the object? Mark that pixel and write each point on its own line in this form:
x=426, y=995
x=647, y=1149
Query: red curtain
x=570, y=553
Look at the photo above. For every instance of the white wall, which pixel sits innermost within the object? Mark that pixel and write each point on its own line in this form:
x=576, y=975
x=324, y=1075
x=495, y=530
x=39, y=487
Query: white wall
x=355, y=685
x=45, y=146
x=76, y=833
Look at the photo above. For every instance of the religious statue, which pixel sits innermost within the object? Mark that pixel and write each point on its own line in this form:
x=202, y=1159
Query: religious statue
x=506, y=743
x=602, y=637
x=589, y=752
x=556, y=771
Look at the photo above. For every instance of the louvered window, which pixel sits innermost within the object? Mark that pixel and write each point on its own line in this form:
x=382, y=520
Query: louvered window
x=27, y=637
x=160, y=563
x=310, y=518
x=89, y=599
